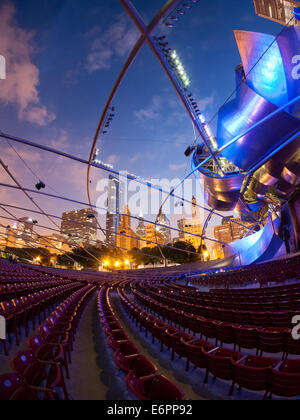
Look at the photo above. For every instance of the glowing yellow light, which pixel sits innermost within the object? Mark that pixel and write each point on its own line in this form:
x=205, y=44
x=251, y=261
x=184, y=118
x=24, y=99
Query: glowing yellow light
x=117, y=264
x=38, y=259
x=106, y=263
x=127, y=262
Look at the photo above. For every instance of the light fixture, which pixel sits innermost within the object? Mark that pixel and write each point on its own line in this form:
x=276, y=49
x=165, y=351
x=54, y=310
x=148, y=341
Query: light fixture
x=40, y=185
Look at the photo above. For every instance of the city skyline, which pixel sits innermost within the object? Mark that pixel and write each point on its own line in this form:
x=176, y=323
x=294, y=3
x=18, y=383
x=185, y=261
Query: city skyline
x=154, y=112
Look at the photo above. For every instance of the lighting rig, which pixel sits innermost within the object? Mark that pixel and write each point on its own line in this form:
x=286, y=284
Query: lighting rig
x=178, y=12
x=175, y=64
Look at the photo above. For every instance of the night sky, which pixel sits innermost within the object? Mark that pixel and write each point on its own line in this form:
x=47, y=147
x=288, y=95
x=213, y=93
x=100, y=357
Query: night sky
x=63, y=57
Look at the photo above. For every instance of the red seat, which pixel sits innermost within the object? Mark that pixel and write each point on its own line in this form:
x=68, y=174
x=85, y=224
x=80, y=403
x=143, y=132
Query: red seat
x=124, y=353
x=195, y=354
x=218, y=362
x=253, y=372
x=155, y=388
x=116, y=338
x=12, y=388
x=38, y=374
x=285, y=380
x=272, y=340
x=246, y=337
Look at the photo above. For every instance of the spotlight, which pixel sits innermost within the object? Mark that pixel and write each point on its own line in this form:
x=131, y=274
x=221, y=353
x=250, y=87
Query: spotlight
x=170, y=25
x=180, y=12
x=189, y=151
x=187, y=6
x=39, y=186
x=174, y=18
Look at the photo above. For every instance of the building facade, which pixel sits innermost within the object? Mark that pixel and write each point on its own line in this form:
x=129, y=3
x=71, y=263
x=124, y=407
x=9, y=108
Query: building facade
x=80, y=226
x=141, y=228
x=229, y=232
x=165, y=229
x=280, y=11
x=152, y=237
x=191, y=228
x=113, y=210
x=127, y=239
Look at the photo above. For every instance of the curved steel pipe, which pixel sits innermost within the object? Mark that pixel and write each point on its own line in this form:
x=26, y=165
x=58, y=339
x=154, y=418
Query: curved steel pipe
x=140, y=43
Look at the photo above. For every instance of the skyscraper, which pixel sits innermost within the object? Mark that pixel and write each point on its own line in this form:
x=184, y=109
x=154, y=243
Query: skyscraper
x=229, y=232
x=191, y=227
x=113, y=210
x=126, y=239
x=152, y=237
x=24, y=232
x=141, y=228
x=80, y=226
x=280, y=11
x=165, y=229
x=195, y=209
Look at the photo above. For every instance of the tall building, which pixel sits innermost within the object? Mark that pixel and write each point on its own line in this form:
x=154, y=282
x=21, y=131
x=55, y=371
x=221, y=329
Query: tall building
x=152, y=237
x=24, y=235
x=195, y=209
x=180, y=224
x=229, y=232
x=127, y=238
x=11, y=235
x=80, y=226
x=165, y=229
x=113, y=210
x=191, y=227
x=141, y=228
x=280, y=11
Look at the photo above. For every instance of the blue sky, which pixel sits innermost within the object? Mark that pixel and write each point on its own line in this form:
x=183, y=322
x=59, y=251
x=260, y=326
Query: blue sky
x=62, y=59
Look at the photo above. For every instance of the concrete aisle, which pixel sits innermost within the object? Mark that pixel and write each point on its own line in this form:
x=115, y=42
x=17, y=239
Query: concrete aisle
x=94, y=375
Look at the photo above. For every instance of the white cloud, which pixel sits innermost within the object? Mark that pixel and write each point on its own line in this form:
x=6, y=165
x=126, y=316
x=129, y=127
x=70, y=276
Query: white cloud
x=152, y=112
x=22, y=77
x=174, y=167
x=116, y=41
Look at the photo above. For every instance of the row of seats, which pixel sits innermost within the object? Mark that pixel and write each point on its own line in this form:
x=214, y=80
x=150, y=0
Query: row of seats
x=264, y=340
x=142, y=378
x=13, y=290
x=257, y=297
x=38, y=371
x=255, y=373
x=272, y=272
x=278, y=319
x=20, y=312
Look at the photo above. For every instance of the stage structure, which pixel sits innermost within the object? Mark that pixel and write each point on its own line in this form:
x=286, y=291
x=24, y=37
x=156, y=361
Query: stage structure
x=259, y=134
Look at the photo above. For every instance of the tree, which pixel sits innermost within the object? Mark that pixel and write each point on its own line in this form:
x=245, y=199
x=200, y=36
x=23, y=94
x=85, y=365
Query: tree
x=25, y=254
x=181, y=257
